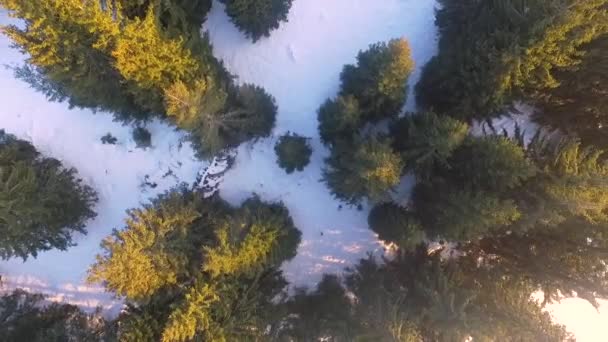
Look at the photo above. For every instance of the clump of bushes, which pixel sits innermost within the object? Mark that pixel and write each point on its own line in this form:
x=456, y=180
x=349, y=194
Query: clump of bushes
x=293, y=152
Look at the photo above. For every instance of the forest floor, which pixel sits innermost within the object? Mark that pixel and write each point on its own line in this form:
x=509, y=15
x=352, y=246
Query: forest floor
x=299, y=65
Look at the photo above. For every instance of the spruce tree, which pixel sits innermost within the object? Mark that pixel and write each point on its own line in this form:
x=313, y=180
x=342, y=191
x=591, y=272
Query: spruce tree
x=257, y=18
x=194, y=268
x=81, y=71
x=24, y=317
x=371, y=170
x=491, y=53
x=395, y=224
x=339, y=119
x=293, y=152
x=151, y=62
x=426, y=140
x=177, y=17
x=492, y=163
x=219, y=118
x=379, y=80
x=42, y=204
x=578, y=105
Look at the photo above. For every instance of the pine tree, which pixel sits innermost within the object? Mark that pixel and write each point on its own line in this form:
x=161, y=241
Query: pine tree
x=491, y=163
x=137, y=263
x=462, y=215
x=418, y=296
x=318, y=314
x=578, y=105
x=379, y=80
x=151, y=62
x=220, y=118
x=82, y=70
x=427, y=141
x=197, y=269
x=176, y=17
x=492, y=52
x=371, y=170
x=257, y=18
x=395, y=224
x=23, y=317
x=42, y=204
x=339, y=119
x=293, y=152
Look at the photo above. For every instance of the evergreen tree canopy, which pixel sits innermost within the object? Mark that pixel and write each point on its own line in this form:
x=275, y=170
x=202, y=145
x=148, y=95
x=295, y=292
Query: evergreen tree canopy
x=579, y=105
x=339, y=119
x=81, y=71
x=195, y=268
x=220, y=118
x=418, y=297
x=371, y=170
x=492, y=163
x=257, y=18
x=42, y=204
x=395, y=224
x=426, y=140
x=23, y=317
x=147, y=59
x=492, y=52
x=177, y=17
x=293, y=152
x=379, y=80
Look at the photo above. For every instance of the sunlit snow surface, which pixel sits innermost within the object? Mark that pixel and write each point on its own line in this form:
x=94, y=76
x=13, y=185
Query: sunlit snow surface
x=299, y=65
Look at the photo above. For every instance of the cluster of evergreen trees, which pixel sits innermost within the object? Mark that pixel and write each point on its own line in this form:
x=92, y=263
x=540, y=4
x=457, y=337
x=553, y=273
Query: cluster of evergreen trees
x=42, y=204
x=492, y=52
x=521, y=216
x=197, y=269
x=140, y=59
x=362, y=163
x=26, y=317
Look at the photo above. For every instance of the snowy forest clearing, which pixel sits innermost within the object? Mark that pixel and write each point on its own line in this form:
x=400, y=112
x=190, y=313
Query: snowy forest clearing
x=298, y=67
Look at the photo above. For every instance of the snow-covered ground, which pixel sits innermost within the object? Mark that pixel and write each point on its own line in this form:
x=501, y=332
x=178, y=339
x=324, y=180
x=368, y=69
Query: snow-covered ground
x=300, y=65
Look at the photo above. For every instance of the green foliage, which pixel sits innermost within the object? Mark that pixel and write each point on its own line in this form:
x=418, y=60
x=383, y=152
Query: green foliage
x=559, y=259
x=142, y=137
x=42, y=204
x=257, y=18
x=462, y=215
x=137, y=262
x=426, y=141
x=220, y=118
x=293, y=152
x=395, y=224
x=151, y=62
x=177, y=17
x=23, y=317
x=371, y=170
x=492, y=52
x=379, y=80
x=197, y=269
x=81, y=70
x=579, y=104
x=314, y=315
x=339, y=119
x=491, y=163
x=418, y=297
x=249, y=240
